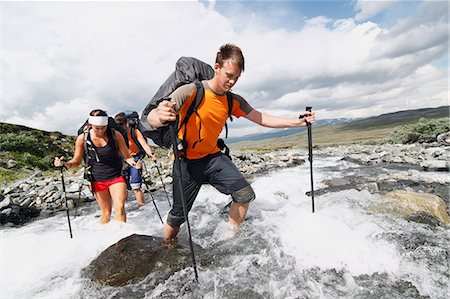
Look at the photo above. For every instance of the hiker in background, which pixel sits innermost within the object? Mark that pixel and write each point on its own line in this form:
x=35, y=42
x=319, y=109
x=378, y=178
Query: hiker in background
x=105, y=148
x=137, y=147
x=203, y=161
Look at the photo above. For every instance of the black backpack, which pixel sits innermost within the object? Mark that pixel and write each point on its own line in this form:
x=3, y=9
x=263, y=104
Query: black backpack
x=89, y=151
x=187, y=70
x=111, y=125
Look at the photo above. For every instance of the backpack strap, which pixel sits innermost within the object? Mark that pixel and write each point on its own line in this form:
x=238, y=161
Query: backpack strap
x=136, y=141
x=88, y=147
x=112, y=135
x=230, y=108
x=193, y=108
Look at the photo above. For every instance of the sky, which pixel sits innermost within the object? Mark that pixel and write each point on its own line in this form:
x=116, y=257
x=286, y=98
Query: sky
x=60, y=60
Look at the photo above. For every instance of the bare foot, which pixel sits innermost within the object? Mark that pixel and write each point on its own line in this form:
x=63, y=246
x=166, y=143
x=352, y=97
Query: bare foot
x=171, y=243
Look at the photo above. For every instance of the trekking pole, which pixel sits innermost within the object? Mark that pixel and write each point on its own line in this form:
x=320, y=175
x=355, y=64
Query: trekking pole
x=65, y=199
x=162, y=182
x=79, y=197
x=177, y=177
x=151, y=195
x=310, y=158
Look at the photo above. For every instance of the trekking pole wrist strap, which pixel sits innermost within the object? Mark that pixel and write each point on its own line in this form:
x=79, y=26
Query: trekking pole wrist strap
x=164, y=123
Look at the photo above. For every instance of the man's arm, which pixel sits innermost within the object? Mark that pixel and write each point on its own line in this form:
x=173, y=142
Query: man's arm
x=162, y=115
x=271, y=121
x=167, y=110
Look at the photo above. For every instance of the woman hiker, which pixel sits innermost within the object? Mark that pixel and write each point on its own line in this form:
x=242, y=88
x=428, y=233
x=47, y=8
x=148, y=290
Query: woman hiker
x=105, y=149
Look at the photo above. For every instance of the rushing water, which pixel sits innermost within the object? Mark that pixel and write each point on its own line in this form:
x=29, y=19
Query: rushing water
x=282, y=251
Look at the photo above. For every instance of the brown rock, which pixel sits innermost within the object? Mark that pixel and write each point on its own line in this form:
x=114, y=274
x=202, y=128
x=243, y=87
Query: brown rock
x=135, y=257
x=407, y=204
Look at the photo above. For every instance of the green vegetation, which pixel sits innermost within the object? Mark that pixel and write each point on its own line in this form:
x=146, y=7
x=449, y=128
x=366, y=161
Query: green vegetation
x=424, y=131
x=30, y=149
x=418, y=130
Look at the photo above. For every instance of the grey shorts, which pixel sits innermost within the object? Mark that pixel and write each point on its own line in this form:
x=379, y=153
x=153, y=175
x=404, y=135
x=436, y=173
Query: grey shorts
x=216, y=170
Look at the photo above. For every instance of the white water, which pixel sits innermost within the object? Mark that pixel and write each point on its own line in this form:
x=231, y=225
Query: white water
x=282, y=251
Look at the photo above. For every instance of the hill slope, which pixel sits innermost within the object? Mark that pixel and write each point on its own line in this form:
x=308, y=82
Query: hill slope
x=369, y=130
x=30, y=148
x=23, y=149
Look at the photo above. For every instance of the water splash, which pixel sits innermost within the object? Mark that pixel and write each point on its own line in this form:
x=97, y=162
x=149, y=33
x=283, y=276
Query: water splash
x=282, y=250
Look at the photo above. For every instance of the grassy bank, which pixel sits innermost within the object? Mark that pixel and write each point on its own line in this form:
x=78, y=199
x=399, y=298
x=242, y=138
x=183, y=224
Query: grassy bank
x=354, y=132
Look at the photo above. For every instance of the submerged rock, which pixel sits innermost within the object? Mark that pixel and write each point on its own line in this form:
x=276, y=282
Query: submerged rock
x=17, y=214
x=408, y=204
x=135, y=257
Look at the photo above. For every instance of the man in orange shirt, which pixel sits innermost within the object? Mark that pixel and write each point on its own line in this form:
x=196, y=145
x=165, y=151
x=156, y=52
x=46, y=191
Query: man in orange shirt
x=135, y=151
x=203, y=161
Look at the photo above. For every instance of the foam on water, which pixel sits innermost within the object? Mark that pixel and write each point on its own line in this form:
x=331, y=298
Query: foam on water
x=40, y=259
x=335, y=236
x=282, y=251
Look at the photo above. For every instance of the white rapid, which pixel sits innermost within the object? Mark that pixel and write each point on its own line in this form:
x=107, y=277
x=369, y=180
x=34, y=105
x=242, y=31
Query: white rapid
x=282, y=251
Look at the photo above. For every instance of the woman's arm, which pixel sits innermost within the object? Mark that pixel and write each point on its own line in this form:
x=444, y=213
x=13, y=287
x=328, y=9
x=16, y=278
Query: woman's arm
x=123, y=149
x=145, y=145
x=77, y=156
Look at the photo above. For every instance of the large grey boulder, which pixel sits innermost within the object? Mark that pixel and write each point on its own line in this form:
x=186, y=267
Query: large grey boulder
x=135, y=257
x=408, y=204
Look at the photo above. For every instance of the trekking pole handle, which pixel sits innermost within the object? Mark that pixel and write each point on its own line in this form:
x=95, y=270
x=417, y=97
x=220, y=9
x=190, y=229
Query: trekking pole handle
x=308, y=108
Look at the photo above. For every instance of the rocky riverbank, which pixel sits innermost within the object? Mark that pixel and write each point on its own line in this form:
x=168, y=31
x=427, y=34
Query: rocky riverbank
x=42, y=196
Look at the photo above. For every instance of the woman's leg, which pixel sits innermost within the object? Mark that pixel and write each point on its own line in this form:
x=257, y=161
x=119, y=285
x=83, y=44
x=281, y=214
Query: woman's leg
x=139, y=196
x=118, y=193
x=136, y=184
x=104, y=202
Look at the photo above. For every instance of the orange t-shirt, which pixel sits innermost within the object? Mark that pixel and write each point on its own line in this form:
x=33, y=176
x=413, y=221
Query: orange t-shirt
x=211, y=118
x=133, y=149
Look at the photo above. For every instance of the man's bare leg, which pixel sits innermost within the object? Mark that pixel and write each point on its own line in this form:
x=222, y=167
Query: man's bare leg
x=170, y=235
x=170, y=232
x=237, y=213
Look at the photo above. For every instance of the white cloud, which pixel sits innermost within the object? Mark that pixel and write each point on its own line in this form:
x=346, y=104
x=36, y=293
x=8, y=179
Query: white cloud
x=369, y=8
x=63, y=59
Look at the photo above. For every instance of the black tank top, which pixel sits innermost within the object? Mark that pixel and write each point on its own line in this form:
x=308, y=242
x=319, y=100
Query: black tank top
x=109, y=165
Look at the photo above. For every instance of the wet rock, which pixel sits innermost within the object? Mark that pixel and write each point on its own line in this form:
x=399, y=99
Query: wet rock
x=334, y=182
x=18, y=214
x=135, y=257
x=439, y=165
x=296, y=160
x=11, y=164
x=4, y=201
x=444, y=138
x=25, y=187
x=371, y=187
x=408, y=204
x=73, y=188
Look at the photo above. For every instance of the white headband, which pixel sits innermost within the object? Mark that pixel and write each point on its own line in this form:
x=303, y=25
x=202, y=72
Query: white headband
x=98, y=120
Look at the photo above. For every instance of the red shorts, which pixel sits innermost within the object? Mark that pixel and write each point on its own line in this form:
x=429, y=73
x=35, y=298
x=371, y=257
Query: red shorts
x=100, y=186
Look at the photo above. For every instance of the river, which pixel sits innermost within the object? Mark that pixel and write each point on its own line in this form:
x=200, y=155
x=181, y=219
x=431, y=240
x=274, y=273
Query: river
x=343, y=250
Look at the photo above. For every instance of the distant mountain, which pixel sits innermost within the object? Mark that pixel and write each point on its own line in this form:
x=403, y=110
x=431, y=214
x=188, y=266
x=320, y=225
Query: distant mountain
x=287, y=132
x=388, y=119
x=403, y=116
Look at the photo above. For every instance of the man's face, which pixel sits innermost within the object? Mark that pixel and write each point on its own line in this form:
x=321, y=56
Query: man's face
x=227, y=75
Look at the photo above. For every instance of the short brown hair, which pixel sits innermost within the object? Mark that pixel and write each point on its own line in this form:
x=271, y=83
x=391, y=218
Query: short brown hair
x=120, y=118
x=233, y=52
